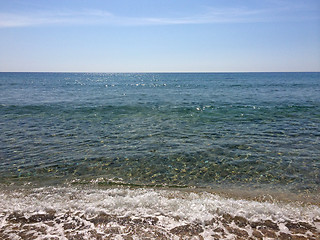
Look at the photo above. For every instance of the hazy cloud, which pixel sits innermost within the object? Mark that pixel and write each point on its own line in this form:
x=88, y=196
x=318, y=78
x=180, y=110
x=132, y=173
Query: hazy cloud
x=53, y=18
x=100, y=17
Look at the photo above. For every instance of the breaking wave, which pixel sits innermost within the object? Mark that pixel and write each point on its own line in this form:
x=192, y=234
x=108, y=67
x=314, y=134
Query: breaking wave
x=124, y=213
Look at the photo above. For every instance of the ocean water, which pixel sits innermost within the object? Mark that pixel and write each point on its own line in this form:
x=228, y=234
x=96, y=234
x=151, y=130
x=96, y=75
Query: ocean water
x=159, y=155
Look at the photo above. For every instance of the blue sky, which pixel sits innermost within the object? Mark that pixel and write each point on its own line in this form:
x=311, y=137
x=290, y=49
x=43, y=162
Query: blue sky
x=159, y=36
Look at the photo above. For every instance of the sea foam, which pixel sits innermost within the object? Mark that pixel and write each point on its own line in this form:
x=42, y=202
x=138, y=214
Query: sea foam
x=123, y=213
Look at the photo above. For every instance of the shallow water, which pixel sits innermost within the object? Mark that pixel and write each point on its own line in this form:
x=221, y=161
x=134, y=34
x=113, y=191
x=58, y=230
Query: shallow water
x=227, y=133
x=83, y=213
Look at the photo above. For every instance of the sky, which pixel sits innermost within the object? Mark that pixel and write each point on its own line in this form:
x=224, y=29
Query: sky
x=159, y=35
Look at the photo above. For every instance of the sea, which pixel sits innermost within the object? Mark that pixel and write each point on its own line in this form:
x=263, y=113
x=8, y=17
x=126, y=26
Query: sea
x=159, y=155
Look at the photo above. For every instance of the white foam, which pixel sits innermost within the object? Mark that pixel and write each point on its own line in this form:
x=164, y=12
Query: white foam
x=171, y=208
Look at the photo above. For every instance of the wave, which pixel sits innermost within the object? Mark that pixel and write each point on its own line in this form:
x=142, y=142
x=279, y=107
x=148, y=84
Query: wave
x=204, y=112
x=72, y=212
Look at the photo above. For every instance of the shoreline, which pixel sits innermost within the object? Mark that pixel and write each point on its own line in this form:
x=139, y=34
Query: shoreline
x=97, y=213
x=260, y=193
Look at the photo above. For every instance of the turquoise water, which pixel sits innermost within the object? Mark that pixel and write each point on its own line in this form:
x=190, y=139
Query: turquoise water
x=174, y=129
x=159, y=155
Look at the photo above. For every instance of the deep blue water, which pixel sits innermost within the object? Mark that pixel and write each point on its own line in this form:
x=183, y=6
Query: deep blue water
x=173, y=129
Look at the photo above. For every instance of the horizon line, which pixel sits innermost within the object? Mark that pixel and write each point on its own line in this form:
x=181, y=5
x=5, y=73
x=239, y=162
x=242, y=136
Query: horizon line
x=160, y=72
